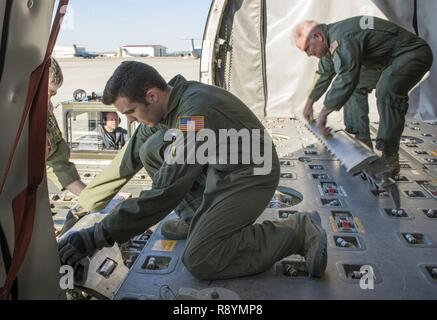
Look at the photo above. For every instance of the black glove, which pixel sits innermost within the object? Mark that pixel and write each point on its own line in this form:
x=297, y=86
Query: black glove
x=79, y=244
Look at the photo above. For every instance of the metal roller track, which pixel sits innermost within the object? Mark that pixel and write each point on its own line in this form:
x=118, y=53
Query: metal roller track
x=351, y=153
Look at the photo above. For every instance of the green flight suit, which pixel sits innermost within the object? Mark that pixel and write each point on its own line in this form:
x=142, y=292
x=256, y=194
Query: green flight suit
x=97, y=194
x=223, y=242
x=403, y=58
x=60, y=170
x=128, y=161
x=356, y=109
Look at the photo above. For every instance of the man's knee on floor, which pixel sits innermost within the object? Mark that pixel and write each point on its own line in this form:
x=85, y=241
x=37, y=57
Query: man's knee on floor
x=197, y=265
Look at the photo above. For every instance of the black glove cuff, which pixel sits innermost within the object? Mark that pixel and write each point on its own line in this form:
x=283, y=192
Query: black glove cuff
x=101, y=237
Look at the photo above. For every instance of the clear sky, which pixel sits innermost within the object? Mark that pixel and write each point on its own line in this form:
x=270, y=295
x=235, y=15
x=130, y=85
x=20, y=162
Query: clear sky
x=105, y=25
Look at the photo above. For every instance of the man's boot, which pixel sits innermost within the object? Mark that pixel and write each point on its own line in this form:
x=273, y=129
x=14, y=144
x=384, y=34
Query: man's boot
x=315, y=245
x=175, y=229
x=392, y=161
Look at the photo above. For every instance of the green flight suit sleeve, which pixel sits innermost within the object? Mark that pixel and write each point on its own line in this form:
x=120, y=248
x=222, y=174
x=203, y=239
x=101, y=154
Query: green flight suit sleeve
x=123, y=167
x=347, y=65
x=60, y=170
x=323, y=78
x=171, y=183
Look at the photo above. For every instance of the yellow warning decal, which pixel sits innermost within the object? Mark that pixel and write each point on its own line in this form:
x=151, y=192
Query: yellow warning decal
x=434, y=153
x=333, y=224
x=359, y=225
x=164, y=245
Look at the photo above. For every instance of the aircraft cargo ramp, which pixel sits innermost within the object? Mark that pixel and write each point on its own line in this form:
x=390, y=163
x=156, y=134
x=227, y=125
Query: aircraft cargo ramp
x=366, y=237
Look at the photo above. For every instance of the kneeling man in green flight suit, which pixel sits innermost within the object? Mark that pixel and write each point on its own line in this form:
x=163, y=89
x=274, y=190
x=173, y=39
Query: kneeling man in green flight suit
x=351, y=48
x=226, y=195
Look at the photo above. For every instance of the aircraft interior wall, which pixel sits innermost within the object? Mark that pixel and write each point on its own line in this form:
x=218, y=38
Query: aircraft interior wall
x=261, y=65
x=422, y=99
x=39, y=275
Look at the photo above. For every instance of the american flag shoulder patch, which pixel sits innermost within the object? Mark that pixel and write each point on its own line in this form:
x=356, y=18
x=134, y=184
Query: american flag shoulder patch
x=334, y=46
x=192, y=123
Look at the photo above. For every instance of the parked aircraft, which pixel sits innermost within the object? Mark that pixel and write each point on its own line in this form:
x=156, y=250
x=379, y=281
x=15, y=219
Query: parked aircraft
x=127, y=53
x=81, y=53
x=195, y=52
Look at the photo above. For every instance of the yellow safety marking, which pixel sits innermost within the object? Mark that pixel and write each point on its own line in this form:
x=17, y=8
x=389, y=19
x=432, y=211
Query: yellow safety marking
x=333, y=224
x=359, y=225
x=434, y=153
x=164, y=245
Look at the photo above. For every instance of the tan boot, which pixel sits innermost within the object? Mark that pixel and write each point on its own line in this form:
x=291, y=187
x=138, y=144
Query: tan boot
x=175, y=229
x=315, y=245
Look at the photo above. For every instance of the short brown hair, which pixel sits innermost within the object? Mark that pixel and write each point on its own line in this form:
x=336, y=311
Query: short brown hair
x=131, y=80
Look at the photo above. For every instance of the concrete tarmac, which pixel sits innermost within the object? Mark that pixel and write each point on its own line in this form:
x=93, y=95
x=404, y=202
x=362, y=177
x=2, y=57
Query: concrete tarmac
x=92, y=74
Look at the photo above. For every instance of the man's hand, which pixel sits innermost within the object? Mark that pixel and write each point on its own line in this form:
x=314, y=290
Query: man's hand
x=308, y=110
x=73, y=215
x=79, y=244
x=322, y=120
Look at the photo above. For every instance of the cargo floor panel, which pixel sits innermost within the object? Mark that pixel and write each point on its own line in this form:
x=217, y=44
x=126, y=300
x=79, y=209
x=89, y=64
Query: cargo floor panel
x=367, y=238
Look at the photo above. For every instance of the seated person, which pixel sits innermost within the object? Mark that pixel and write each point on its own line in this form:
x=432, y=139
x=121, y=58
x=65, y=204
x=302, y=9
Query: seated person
x=113, y=136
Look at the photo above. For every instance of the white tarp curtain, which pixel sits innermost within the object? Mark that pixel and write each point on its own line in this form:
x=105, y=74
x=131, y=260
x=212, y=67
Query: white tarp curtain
x=243, y=73
x=28, y=36
x=290, y=73
x=423, y=99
